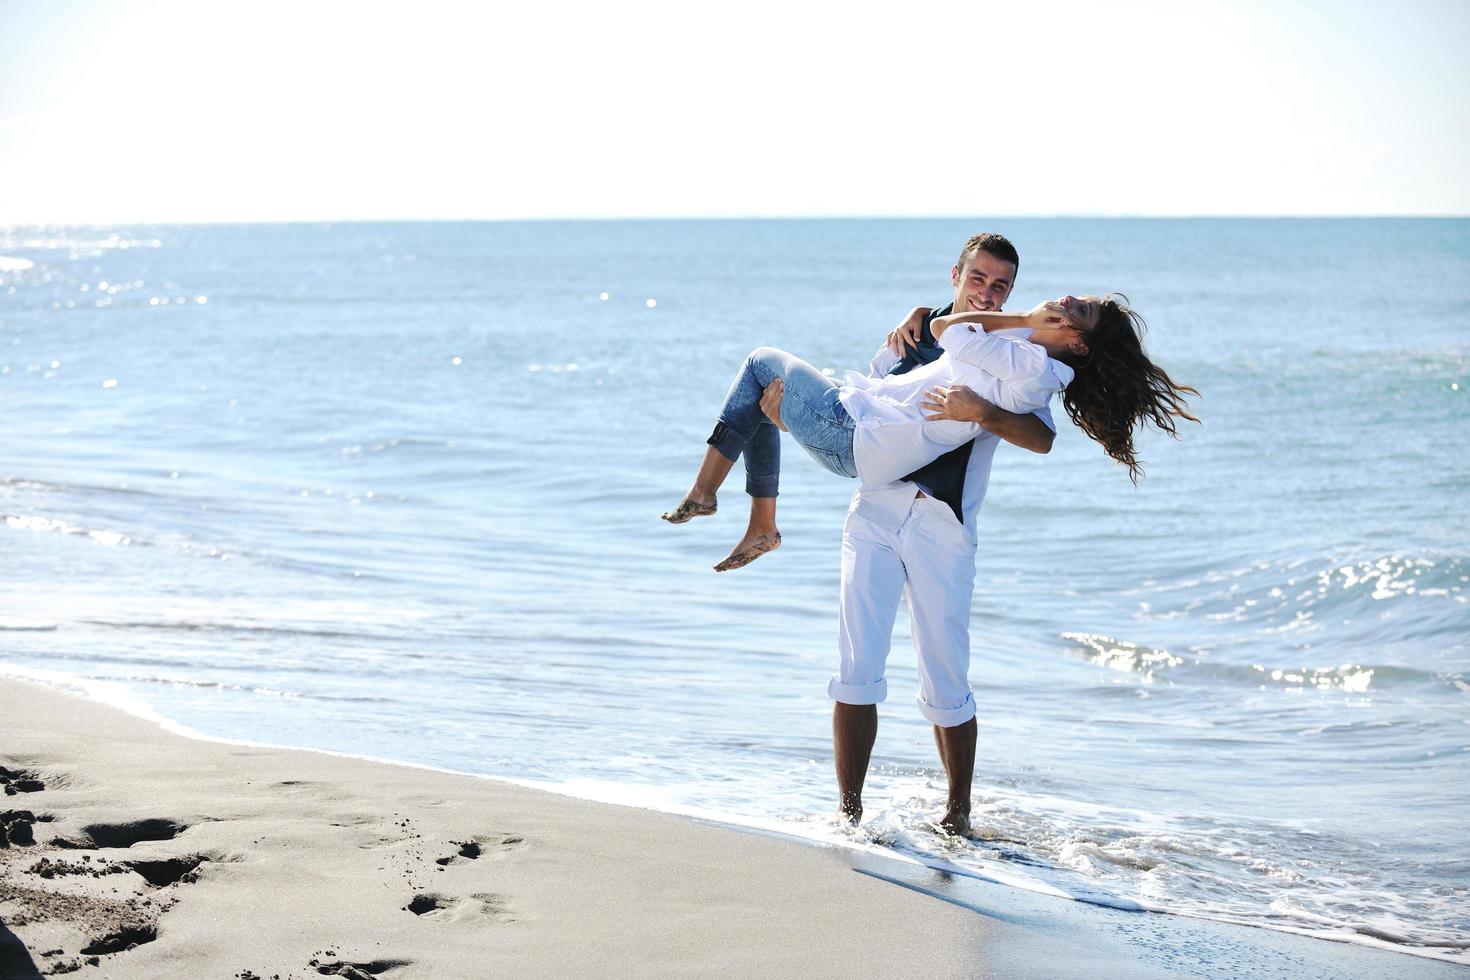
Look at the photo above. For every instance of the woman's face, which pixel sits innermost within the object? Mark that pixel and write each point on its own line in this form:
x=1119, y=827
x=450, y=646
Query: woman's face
x=1084, y=311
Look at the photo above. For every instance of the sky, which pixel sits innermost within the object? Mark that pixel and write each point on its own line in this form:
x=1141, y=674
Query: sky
x=171, y=111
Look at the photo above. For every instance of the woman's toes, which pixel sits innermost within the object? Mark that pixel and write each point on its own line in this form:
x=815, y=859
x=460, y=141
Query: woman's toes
x=748, y=551
x=689, y=509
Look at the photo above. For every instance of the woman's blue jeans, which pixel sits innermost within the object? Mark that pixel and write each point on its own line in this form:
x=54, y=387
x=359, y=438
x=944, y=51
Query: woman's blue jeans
x=809, y=408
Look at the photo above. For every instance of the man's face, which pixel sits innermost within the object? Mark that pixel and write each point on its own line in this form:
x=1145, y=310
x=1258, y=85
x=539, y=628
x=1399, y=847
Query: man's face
x=983, y=284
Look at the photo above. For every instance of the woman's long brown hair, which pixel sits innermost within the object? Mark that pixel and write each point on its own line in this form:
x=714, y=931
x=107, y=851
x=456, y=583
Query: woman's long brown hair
x=1117, y=388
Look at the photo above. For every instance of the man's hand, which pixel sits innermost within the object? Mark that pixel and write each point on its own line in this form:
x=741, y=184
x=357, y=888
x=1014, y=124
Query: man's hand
x=908, y=333
x=771, y=402
x=962, y=405
x=957, y=403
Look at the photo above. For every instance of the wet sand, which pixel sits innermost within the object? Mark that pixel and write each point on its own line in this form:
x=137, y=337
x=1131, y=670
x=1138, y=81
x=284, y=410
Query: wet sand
x=132, y=852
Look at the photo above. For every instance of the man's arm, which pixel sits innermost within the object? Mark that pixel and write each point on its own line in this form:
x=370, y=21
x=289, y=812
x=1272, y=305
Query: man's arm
x=908, y=333
x=959, y=403
x=963, y=405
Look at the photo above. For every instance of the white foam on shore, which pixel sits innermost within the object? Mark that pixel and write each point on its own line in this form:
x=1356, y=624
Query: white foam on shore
x=8, y=264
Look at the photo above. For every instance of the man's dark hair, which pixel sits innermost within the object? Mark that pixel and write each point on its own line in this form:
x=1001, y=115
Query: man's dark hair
x=997, y=245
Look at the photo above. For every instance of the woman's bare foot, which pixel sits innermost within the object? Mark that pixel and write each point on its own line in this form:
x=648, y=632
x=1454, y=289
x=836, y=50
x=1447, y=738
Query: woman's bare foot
x=690, y=508
x=751, y=547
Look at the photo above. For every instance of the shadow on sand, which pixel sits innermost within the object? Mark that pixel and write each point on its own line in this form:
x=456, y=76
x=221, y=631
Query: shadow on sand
x=15, y=959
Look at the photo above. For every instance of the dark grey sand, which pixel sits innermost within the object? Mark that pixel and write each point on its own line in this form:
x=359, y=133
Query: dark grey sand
x=134, y=852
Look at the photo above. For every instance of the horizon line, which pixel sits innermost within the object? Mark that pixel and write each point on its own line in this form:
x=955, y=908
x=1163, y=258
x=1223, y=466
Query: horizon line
x=759, y=217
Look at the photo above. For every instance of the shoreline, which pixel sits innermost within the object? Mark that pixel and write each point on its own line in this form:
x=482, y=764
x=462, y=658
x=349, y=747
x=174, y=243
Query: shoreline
x=452, y=874
x=95, y=691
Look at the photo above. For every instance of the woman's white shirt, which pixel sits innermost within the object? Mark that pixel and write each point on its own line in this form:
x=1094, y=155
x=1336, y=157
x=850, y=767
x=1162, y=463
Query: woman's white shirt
x=893, y=438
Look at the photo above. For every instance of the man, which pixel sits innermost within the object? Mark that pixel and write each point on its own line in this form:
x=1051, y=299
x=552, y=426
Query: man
x=917, y=537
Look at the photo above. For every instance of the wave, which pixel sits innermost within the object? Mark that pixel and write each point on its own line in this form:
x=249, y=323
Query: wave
x=185, y=626
x=44, y=486
x=184, y=544
x=1253, y=590
x=1305, y=611
x=74, y=243
x=1258, y=874
x=255, y=689
x=1156, y=664
x=22, y=522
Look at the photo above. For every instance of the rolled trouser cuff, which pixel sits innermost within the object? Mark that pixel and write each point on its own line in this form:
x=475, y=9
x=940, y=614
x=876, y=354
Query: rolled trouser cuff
x=726, y=440
x=859, y=693
x=948, y=717
x=762, y=486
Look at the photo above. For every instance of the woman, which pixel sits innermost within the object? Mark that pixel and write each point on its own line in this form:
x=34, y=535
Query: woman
x=877, y=430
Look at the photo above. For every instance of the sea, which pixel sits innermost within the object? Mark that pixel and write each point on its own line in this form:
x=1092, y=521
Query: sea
x=394, y=490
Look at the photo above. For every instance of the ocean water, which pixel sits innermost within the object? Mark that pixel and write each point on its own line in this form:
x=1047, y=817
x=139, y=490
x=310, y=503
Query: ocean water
x=394, y=490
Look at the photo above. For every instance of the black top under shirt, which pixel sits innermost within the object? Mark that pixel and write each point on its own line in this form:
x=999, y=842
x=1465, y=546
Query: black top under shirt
x=943, y=478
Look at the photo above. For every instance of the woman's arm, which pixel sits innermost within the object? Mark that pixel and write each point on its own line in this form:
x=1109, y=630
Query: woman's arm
x=1017, y=375
x=989, y=320
x=1045, y=315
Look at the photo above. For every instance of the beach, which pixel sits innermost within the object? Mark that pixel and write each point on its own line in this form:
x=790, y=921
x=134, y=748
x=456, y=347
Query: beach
x=334, y=488
x=160, y=856
x=340, y=632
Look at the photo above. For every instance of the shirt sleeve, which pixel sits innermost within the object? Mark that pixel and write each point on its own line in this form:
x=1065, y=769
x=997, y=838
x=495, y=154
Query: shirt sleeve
x=1028, y=377
x=882, y=362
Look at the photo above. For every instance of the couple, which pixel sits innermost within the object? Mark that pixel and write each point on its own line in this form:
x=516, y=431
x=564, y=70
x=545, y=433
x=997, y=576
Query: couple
x=919, y=431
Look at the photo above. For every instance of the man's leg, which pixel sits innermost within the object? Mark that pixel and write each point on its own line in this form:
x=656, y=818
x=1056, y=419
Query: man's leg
x=854, y=730
x=941, y=581
x=872, y=582
x=957, y=752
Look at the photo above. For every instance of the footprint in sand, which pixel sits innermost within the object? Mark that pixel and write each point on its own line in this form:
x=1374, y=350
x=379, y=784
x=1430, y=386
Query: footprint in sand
x=163, y=872
x=17, y=827
x=355, y=971
x=494, y=906
x=123, y=939
x=481, y=903
x=20, y=781
x=121, y=923
x=425, y=903
x=99, y=835
x=493, y=845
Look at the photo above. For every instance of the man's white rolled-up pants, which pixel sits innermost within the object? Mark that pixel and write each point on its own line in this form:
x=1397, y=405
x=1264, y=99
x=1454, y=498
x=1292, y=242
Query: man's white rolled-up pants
x=928, y=558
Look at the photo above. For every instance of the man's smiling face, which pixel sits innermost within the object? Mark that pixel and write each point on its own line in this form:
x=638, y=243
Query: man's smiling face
x=983, y=284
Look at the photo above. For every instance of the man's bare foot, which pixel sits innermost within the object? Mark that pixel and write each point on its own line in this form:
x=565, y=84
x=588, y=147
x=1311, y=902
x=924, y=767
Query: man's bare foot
x=956, y=823
x=751, y=547
x=850, y=812
x=690, y=508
